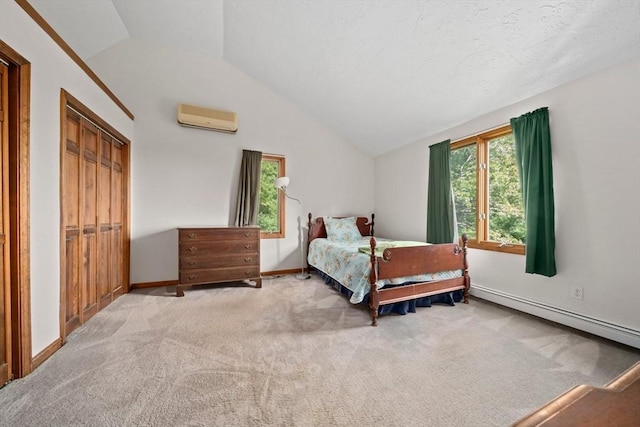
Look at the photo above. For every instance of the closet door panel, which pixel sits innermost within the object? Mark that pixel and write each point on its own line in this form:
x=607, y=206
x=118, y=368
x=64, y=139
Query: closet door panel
x=89, y=292
x=71, y=202
x=5, y=281
x=72, y=303
x=90, y=220
x=104, y=267
x=117, y=197
x=117, y=255
x=104, y=219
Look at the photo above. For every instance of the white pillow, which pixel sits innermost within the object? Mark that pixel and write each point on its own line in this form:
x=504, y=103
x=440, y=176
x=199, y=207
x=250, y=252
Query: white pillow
x=342, y=229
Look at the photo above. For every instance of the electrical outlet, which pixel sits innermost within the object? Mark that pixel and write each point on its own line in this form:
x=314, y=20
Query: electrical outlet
x=576, y=292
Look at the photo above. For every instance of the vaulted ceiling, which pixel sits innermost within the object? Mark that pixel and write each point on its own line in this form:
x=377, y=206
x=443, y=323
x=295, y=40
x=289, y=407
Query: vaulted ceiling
x=380, y=73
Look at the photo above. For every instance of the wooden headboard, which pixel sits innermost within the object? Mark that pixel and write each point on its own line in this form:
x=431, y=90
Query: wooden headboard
x=317, y=229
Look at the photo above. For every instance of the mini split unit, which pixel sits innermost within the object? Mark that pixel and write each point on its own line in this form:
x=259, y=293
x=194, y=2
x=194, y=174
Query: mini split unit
x=207, y=118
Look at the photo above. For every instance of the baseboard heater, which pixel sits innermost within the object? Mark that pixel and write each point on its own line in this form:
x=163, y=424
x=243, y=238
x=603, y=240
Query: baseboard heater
x=584, y=323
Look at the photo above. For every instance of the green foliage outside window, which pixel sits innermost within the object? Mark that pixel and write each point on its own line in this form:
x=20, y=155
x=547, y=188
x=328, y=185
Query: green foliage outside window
x=503, y=198
x=268, y=214
x=506, y=210
x=462, y=163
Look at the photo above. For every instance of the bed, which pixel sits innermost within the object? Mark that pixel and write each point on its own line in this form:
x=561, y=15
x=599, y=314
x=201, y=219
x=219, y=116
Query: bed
x=387, y=275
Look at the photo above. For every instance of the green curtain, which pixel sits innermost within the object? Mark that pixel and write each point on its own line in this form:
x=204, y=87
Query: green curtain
x=440, y=226
x=248, y=201
x=533, y=155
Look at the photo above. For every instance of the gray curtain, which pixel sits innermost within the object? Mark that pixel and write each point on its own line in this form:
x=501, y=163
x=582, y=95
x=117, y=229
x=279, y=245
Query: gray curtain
x=248, y=202
x=440, y=226
x=533, y=155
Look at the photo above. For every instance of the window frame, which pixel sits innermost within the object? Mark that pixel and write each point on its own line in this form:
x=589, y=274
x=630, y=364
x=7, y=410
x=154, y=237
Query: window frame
x=481, y=141
x=280, y=233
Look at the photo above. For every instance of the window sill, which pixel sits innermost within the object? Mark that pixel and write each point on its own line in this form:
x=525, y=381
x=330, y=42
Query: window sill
x=498, y=247
x=271, y=235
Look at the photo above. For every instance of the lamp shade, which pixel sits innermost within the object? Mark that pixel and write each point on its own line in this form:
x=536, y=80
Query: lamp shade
x=281, y=182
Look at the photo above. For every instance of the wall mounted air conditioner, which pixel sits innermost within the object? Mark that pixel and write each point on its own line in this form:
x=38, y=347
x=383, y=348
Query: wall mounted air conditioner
x=207, y=118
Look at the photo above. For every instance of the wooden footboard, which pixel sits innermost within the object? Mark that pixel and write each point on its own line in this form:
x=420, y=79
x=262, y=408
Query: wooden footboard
x=399, y=262
x=412, y=261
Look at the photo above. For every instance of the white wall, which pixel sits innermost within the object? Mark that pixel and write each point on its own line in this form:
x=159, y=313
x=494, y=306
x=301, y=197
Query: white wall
x=183, y=176
x=51, y=70
x=595, y=131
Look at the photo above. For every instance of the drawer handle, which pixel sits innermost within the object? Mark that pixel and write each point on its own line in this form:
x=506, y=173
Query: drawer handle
x=192, y=276
x=193, y=248
x=247, y=259
x=247, y=234
x=193, y=262
x=247, y=273
x=192, y=235
x=247, y=246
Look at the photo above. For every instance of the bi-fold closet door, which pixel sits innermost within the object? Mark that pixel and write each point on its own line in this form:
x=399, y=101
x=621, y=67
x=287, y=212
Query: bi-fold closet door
x=93, y=204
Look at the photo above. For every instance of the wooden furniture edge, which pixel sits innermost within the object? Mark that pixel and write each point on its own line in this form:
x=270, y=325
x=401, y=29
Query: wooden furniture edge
x=573, y=395
x=434, y=287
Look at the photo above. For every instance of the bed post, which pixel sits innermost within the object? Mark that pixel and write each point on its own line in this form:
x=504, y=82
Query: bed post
x=465, y=271
x=374, y=296
x=308, y=240
x=373, y=222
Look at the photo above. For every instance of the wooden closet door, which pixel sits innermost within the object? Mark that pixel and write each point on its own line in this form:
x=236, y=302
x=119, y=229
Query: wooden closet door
x=117, y=217
x=105, y=238
x=94, y=202
x=89, y=220
x=72, y=228
x=5, y=296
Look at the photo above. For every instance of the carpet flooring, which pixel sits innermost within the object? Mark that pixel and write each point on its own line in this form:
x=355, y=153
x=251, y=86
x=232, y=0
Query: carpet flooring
x=297, y=353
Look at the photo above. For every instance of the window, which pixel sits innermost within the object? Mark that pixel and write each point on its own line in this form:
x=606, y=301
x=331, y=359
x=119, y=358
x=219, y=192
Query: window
x=486, y=191
x=271, y=213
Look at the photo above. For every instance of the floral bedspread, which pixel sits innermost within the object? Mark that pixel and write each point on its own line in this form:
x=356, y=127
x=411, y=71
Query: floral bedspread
x=344, y=262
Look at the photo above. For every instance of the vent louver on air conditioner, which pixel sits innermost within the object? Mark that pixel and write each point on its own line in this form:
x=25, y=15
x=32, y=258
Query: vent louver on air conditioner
x=207, y=118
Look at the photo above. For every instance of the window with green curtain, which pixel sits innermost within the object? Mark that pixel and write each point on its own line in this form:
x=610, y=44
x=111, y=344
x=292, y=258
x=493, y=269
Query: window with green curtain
x=440, y=227
x=533, y=156
x=488, y=200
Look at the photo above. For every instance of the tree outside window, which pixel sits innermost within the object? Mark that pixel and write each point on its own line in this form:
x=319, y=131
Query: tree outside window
x=271, y=213
x=486, y=189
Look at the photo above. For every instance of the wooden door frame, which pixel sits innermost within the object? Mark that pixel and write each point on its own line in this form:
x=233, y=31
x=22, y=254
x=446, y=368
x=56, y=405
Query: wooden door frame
x=19, y=217
x=68, y=100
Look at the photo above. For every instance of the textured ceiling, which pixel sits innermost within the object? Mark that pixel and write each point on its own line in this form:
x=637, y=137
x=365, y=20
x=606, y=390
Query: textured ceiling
x=380, y=73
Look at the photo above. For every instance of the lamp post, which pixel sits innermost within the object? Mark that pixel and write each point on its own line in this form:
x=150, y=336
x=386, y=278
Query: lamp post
x=281, y=184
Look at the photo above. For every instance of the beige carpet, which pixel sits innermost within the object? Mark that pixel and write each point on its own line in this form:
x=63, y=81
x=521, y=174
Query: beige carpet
x=296, y=353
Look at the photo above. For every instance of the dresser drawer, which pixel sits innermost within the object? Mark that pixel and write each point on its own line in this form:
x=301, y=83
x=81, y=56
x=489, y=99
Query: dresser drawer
x=218, y=247
x=203, y=234
x=219, y=275
x=217, y=261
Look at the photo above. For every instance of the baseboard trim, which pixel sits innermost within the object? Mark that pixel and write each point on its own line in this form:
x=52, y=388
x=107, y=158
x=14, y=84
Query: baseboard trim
x=578, y=321
x=280, y=272
x=144, y=285
x=39, y=358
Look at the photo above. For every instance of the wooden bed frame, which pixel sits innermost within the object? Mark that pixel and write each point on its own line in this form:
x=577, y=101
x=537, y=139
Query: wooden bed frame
x=407, y=261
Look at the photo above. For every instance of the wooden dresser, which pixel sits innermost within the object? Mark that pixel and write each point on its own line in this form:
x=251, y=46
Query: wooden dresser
x=217, y=254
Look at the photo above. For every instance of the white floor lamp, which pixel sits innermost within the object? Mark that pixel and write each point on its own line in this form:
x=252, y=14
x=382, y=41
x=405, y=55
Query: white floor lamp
x=281, y=184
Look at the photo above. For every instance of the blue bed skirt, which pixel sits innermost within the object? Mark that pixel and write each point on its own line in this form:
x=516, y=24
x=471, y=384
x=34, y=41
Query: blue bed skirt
x=402, y=307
